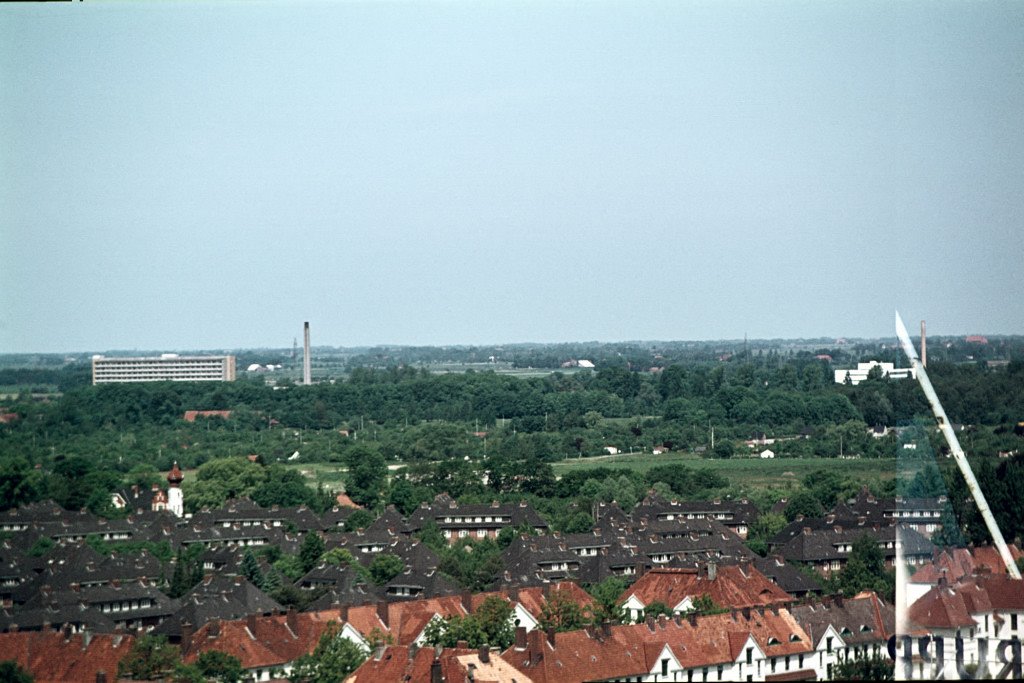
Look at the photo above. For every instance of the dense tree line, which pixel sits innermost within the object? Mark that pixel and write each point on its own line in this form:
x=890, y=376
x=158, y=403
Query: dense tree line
x=482, y=435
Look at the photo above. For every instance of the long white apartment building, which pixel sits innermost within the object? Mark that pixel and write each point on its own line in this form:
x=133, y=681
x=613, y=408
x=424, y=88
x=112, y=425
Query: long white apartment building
x=166, y=367
x=860, y=373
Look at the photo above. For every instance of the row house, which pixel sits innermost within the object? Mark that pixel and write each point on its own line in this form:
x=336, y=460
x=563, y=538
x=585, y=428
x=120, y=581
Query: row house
x=923, y=515
x=132, y=606
x=827, y=550
x=660, y=551
x=474, y=521
x=736, y=515
x=21, y=518
x=266, y=646
x=846, y=628
x=746, y=645
x=244, y=512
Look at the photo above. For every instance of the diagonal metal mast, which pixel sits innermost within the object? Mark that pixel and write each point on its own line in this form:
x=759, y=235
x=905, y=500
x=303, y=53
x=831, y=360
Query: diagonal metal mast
x=954, y=445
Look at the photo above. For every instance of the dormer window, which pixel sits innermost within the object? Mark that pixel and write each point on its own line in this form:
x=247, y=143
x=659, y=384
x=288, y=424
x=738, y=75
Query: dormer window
x=773, y=641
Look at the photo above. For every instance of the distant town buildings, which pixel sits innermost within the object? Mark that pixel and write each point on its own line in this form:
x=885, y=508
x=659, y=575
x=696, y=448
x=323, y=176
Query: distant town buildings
x=860, y=373
x=166, y=367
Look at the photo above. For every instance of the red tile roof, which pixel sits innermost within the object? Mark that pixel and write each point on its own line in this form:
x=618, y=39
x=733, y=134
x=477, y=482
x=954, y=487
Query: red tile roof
x=802, y=675
x=733, y=586
x=633, y=650
x=49, y=657
x=940, y=608
x=534, y=598
x=258, y=641
x=959, y=563
x=414, y=665
x=346, y=502
x=1004, y=593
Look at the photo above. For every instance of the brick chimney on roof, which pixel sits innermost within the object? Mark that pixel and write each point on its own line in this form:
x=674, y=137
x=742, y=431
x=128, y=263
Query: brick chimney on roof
x=187, y=631
x=292, y=619
x=535, y=645
x=520, y=642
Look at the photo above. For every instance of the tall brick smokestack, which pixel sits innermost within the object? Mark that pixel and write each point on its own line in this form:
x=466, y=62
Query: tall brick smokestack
x=307, y=371
x=924, y=347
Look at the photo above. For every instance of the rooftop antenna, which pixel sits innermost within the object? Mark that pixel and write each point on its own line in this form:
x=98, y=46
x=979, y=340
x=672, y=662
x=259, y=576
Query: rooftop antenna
x=958, y=453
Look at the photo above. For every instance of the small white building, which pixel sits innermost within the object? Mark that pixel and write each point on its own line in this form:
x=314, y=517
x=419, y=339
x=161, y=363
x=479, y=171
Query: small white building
x=767, y=453
x=860, y=373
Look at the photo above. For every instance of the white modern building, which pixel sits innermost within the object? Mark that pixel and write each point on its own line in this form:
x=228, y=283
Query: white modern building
x=860, y=373
x=166, y=367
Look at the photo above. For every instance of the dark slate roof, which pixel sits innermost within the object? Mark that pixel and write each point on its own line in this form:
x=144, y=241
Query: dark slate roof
x=786, y=576
x=445, y=508
x=866, y=504
x=821, y=545
x=217, y=597
x=609, y=516
x=352, y=594
x=76, y=525
x=863, y=619
x=243, y=512
x=366, y=541
x=54, y=616
x=391, y=521
x=33, y=513
x=729, y=512
x=325, y=574
x=334, y=519
x=430, y=584
x=722, y=545
x=795, y=528
x=536, y=560
x=681, y=526
x=123, y=568
x=139, y=498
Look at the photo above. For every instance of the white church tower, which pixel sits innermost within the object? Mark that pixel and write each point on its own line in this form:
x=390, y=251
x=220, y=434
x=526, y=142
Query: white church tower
x=175, y=501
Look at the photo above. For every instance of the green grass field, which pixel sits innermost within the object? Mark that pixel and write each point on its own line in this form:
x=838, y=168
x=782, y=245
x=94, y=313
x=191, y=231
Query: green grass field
x=747, y=476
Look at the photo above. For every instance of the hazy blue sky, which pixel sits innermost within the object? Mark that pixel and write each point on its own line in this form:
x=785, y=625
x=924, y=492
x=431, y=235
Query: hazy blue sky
x=185, y=175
